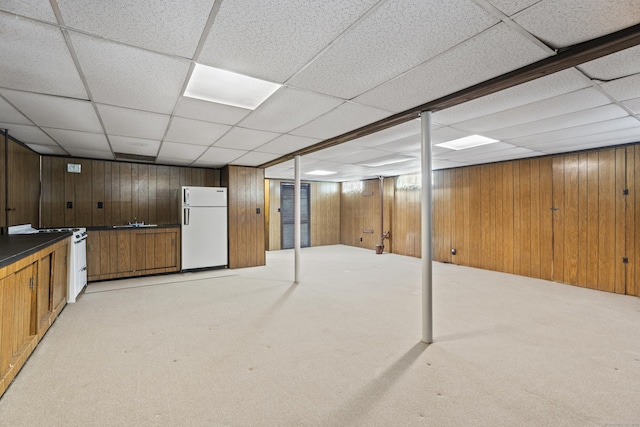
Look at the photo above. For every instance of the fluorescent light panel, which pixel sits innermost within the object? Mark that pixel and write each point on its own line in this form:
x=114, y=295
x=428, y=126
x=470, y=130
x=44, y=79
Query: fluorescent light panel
x=225, y=87
x=467, y=142
x=320, y=172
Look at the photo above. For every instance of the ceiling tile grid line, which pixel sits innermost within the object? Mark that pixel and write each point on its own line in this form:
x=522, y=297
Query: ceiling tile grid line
x=514, y=25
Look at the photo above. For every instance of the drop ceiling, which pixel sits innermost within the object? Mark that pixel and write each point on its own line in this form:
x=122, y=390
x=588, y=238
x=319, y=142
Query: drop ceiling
x=91, y=78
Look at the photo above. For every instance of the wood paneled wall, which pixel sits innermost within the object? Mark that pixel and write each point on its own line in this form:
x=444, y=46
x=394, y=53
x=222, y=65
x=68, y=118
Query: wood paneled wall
x=564, y=218
x=360, y=216
x=497, y=216
x=595, y=225
x=128, y=192
x=325, y=213
x=246, y=225
x=23, y=179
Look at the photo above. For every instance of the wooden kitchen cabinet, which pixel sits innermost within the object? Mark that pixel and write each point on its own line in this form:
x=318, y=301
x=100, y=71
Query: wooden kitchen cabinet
x=130, y=252
x=33, y=291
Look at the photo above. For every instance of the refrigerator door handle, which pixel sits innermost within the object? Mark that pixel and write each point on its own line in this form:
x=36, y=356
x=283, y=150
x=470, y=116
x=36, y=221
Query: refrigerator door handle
x=186, y=198
x=186, y=216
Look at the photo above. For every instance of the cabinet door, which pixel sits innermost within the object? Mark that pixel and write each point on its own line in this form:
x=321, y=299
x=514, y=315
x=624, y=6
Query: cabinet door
x=165, y=251
x=18, y=314
x=142, y=250
x=44, y=302
x=123, y=251
x=59, y=276
x=7, y=309
x=94, y=255
x=25, y=304
x=155, y=249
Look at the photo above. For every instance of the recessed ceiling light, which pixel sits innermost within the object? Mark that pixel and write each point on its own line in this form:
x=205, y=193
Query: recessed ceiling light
x=386, y=161
x=320, y=172
x=225, y=87
x=467, y=142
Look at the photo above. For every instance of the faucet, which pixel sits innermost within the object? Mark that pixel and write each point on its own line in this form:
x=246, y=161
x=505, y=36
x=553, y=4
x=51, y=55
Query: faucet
x=136, y=223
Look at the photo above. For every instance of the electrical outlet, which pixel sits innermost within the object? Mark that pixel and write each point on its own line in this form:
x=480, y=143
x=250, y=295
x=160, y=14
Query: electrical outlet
x=361, y=239
x=69, y=205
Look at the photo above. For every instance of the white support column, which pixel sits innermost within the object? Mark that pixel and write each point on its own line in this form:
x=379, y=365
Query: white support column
x=426, y=213
x=296, y=220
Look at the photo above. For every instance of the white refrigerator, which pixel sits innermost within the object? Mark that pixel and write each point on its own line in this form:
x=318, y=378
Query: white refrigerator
x=204, y=227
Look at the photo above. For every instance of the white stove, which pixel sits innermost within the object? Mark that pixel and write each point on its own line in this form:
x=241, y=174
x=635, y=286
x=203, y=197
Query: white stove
x=77, y=260
x=77, y=275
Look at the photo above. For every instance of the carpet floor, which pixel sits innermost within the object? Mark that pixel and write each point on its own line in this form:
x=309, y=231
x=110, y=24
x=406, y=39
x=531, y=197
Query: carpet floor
x=342, y=348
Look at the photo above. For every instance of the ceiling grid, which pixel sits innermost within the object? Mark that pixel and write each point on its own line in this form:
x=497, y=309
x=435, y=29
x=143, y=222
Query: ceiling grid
x=93, y=78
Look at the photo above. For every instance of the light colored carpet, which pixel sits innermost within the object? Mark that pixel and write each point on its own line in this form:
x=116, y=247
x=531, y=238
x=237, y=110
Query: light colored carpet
x=340, y=349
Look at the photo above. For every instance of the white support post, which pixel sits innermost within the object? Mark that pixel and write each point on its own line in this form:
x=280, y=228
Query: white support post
x=426, y=211
x=296, y=220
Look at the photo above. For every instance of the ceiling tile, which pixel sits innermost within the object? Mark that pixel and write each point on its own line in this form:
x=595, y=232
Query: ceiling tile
x=54, y=111
x=288, y=109
x=491, y=156
x=623, y=89
x=614, y=66
x=562, y=23
x=192, y=108
x=129, y=77
x=50, y=150
x=175, y=150
x=91, y=154
x=36, y=9
x=245, y=139
x=218, y=157
x=575, y=101
x=127, y=122
x=536, y=90
x=364, y=156
x=172, y=27
x=633, y=105
x=584, y=130
x=74, y=139
x=510, y=7
x=606, y=112
x=195, y=131
x=143, y=147
x=254, y=158
x=272, y=40
x=34, y=57
x=27, y=134
x=286, y=144
x=396, y=37
x=173, y=162
x=493, y=52
x=346, y=117
x=391, y=134
x=10, y=114
x=470, y=153
x=592, y=145
x=409, y=143
x=596, y=140
x=335, y=152
x=445, y=134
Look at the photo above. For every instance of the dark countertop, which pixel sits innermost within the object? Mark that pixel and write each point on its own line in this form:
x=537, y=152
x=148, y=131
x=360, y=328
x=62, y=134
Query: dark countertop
x=109, y=227
x=14, y=247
